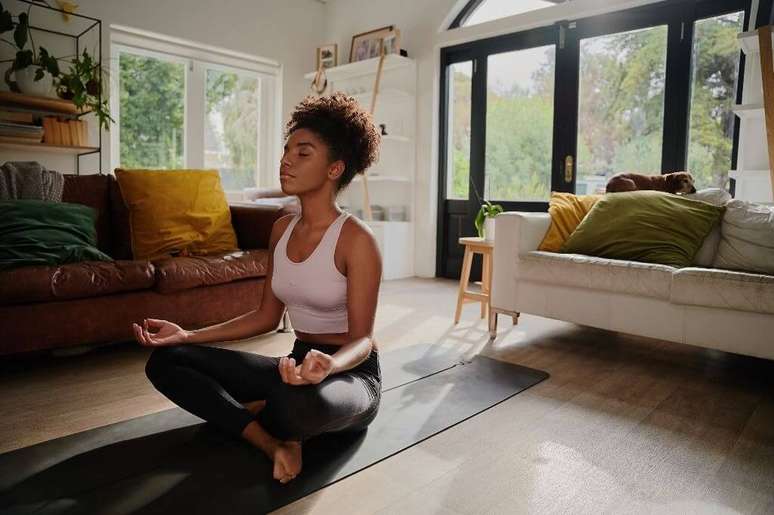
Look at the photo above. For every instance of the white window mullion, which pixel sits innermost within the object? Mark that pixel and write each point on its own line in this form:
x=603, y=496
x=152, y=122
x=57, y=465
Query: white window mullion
x=194, y=119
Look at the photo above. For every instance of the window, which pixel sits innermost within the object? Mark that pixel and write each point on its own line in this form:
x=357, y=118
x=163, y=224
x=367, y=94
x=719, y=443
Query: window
x=458, y=159
x=715, y=67
x=231, y=127
x=621, y=105
x=519, y=124
x=181, y=105
x=151, y=111
x=489, y=10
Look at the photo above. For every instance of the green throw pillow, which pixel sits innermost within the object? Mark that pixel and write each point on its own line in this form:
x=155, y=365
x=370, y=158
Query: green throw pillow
x=41, y=232
x=649, y=226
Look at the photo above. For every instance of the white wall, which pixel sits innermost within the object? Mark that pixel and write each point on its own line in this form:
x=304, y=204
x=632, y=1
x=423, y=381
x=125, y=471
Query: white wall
x=285, y=31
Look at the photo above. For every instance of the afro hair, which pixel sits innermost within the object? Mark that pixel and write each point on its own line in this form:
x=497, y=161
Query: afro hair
x=342, y=123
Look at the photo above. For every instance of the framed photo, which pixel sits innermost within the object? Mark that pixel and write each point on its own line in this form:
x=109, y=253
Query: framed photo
x=327, y=56
x=392, y=42
x=367, y=44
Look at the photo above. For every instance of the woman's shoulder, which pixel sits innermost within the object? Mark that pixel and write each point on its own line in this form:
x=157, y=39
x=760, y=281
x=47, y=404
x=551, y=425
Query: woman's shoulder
x=280, y=224
x=357, y=233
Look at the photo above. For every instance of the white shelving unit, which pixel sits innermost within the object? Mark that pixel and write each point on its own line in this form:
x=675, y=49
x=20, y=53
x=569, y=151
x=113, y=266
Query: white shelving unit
x=391, y=178
x=753, y=179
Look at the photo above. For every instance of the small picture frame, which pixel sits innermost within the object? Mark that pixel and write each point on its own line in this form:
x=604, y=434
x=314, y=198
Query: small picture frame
x=327, y=56
x=367, y=45
x=392, y=42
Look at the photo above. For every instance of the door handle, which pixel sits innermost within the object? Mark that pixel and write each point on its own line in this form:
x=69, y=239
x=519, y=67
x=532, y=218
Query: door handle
x=568, y=168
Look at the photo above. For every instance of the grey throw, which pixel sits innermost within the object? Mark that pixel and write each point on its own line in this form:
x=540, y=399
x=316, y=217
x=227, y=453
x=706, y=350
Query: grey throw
x=30, y=180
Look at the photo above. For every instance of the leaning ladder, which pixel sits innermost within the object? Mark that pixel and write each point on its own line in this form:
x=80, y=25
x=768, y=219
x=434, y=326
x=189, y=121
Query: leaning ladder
x=767, y=79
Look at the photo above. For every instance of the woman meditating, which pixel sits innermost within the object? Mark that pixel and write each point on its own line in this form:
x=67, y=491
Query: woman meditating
x=325, y=267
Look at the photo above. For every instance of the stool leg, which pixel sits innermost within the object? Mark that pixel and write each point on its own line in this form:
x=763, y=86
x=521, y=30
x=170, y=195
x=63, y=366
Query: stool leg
x=464, y=277
x=492, y=324
x=486, y=282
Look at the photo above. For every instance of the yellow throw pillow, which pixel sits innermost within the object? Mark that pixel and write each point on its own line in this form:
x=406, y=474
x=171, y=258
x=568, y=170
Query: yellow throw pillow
x=175, y=212
x=567, y=212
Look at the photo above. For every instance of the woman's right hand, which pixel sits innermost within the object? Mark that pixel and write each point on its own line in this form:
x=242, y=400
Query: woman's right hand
x=166, y=333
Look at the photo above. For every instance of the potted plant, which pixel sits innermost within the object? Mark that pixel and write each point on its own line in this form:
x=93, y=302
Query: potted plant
x=485, y=219
x=34, y=70
x=82, y=84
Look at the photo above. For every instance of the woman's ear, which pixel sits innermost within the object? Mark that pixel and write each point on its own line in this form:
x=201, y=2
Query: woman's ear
x=336, y=169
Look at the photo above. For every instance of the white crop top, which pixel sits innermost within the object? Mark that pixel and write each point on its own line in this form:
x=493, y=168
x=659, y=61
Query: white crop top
x=314, y=291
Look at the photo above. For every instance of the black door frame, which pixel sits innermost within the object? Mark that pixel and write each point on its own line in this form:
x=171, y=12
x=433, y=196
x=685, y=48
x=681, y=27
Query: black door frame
x=679, y=17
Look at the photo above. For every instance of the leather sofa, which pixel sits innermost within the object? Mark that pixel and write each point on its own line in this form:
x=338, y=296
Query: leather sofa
x=95, y=302
x=707, y=307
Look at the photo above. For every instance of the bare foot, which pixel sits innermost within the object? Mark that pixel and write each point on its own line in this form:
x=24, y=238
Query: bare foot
x=287, y=461
x=254, y=407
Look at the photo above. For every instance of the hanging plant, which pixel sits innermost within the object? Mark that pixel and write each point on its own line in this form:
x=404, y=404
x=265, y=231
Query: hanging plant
x=82, y=84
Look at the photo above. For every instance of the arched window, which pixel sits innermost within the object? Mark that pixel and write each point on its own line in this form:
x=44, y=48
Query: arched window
x=480, y=11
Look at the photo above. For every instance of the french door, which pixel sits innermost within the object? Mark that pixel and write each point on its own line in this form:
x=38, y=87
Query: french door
x=562, y=108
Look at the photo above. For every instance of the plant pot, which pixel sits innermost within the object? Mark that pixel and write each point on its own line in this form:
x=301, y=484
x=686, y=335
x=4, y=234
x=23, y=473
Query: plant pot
x=44, y=87
x=489, y=228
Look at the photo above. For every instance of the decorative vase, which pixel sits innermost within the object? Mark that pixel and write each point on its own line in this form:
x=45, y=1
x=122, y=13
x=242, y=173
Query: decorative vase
x=489, y=228
x=44, y=87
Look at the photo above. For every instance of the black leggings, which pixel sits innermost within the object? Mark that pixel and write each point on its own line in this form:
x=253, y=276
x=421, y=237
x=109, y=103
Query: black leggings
x=212, y=383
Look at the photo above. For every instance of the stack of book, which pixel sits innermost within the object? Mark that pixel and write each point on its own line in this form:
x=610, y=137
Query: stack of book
x=70, y=133
x=19, y=127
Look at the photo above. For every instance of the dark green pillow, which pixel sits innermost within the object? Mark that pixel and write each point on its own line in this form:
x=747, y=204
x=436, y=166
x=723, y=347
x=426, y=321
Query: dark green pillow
x=41, y=232
x=649, y=226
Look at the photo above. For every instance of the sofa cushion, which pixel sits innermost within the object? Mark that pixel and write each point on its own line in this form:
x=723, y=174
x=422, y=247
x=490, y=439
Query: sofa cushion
x=723, y=289
x=119, y=218
x=746, y=238
x=633, y=277
x=182, y=273
x=647, y=226
x=567, y=211
x=73, y=280
x=177, y=212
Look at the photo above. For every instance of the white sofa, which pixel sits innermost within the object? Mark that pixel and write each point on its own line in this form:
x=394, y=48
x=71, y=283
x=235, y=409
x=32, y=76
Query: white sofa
x=713, y=308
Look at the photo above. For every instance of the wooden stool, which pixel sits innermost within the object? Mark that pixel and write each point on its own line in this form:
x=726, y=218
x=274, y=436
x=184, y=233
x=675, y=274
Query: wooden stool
x=485, y=248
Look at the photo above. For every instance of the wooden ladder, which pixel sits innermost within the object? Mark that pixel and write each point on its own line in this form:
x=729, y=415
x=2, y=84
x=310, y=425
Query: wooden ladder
x=767, y=79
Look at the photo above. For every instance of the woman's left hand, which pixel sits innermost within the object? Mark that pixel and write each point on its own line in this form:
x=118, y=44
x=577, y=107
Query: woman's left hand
x=313, y=370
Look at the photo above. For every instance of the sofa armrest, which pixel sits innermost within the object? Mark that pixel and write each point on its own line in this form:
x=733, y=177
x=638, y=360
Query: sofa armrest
x=516, y=233
x=252, y=223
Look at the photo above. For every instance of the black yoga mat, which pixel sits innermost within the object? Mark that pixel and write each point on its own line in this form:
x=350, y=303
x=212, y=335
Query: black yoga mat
x=172, y=462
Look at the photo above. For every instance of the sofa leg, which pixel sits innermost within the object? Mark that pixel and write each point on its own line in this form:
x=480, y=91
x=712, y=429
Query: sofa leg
x=285, y=328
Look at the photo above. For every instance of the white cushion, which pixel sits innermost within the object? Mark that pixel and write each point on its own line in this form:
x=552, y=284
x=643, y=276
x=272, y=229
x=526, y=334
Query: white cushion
x=632, y=277
x=709, y=247
x=723, y=289
x=746, y=238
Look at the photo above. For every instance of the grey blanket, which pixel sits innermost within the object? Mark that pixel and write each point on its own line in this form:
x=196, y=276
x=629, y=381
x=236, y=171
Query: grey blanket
x=30, y=180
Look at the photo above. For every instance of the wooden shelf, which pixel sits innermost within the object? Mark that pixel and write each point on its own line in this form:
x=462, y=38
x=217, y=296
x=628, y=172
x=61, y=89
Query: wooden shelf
x=381, y=178
x=49, y=105
x=393, y=137
x=748, y=42
x=748, y=110
x=365, y=67
x=45, y=147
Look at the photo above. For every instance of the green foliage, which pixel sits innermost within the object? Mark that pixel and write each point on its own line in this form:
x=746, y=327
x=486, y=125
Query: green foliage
x=151, y=97
x=82, y=83
x=488, y=210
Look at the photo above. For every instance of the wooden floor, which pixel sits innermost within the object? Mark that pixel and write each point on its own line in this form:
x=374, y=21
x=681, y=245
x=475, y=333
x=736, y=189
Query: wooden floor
x=623, y=424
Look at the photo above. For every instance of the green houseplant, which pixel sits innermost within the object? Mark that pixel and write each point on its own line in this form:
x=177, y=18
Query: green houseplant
x=81, y=83
x=487, y=212
x=34, y=71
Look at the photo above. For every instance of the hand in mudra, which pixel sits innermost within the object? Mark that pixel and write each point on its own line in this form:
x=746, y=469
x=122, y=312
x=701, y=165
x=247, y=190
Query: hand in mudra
x=315, y=367
x=165, y=333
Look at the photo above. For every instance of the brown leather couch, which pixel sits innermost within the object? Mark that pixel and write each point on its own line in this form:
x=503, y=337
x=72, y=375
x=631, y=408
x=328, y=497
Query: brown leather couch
x=95, y=302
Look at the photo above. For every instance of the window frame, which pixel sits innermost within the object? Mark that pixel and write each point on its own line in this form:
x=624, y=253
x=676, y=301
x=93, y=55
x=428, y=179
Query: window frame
x=198, y=59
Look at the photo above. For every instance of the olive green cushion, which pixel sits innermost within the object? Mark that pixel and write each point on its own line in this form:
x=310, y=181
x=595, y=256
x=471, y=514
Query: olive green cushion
x=648, y=226
x=42, y=232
